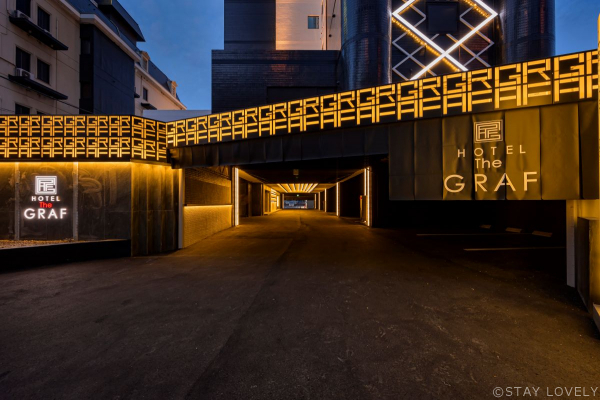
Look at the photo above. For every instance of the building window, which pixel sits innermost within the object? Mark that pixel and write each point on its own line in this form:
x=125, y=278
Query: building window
x=145, y=94
x=22, y=110
x=43, y=71
x=23, y=60
x=145, y=64
x=24, y=6
x=43, y=19
x=313, y=22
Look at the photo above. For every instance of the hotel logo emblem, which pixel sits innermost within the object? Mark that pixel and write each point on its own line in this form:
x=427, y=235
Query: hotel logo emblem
x=45, y=185
x=489, y=131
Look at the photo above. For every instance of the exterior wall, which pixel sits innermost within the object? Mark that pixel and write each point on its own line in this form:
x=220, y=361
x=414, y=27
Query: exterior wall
x=527, y=30
x=207, y=206
x=256, y=199
x=332, y=37
x=350, y=192
x=207, y=186
x=271, y=196
x=292, y=31
x=250, y=79
x=64, y=65
x=366, y=43
x=249, y=25
x=104, y=201
x=157, y=95
x=7, y=204
x=110, y=72
x=154, y=205
x=583, y=250
x=204, y=221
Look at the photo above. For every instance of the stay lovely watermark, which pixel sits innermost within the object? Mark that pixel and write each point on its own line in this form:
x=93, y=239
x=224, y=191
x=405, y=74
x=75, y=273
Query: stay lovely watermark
x=547, y=392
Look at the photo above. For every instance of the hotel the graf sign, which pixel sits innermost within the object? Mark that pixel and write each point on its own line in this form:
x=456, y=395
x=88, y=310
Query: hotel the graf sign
x=46, y=199
x=489, y=158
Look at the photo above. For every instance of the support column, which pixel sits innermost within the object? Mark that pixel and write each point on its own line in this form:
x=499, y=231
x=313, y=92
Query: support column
x=181, y=204
x=17, y=205
x=368, y=192
x=76, y=201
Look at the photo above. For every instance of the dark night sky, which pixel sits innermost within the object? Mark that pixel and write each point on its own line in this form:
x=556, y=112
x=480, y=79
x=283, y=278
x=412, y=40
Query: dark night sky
x=181, y=33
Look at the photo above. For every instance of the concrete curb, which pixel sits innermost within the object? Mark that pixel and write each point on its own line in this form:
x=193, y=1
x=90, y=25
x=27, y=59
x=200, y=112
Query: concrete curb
x=36, y=256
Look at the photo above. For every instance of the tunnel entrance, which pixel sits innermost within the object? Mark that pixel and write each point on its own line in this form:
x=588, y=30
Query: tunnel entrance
x=337, y=186
x=359, y=188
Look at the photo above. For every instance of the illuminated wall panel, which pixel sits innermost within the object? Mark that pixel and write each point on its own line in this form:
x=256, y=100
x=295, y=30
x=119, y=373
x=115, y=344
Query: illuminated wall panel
x=201, y=222
x=82, y=138
x=562, y=79
x=87, y=201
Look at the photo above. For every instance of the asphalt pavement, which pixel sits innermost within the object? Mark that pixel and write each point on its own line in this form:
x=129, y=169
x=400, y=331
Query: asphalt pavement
x=301, y=305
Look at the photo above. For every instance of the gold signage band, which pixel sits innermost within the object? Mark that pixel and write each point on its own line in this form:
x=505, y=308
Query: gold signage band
x=567, y=78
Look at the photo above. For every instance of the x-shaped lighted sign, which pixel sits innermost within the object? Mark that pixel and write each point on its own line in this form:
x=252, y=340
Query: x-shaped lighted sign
x=443, y=53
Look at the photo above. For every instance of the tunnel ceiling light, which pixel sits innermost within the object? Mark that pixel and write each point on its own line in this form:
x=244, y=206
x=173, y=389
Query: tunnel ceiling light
x=297, y=187
x=425, y=41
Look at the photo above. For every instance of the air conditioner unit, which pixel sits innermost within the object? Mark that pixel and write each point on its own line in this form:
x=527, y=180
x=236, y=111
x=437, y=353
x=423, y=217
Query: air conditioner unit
x=21, y=14
x=24, y=73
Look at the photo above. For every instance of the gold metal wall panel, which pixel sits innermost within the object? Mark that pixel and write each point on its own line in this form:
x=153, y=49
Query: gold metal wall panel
x=560, y=152
x=588, y=136
x=457, y=139
x=522, y=130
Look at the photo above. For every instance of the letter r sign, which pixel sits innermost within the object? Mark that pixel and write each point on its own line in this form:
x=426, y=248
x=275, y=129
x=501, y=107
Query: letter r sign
x=45, y=185
x=489, y=131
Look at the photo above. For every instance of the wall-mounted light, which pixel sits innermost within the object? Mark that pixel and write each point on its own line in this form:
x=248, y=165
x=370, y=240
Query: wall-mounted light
x=367, y=190
x=337, y=199
x=236, y=196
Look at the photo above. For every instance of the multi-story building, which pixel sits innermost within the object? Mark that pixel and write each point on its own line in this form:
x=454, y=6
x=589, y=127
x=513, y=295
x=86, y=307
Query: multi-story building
x=77, y=57
x=153, y=89
x=277, y=50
